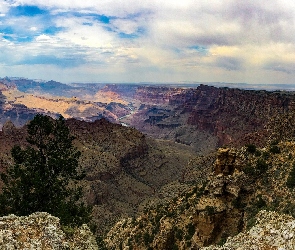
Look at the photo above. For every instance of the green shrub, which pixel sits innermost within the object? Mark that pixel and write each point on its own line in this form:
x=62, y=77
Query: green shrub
x=260, y=203
x=210, y=210
x=147, y=238
x=265, y=155
x=274, y=149
x=261, y=166
x=237, y=203
x=251, y=222
x=251, y=148
x=249, y=170
x=178, y=234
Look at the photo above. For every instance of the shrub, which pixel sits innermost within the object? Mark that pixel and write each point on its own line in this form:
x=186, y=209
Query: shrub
x=210, y=210
x=251, y=148
x=274, y=149
x=261, y=166
x=260, y=203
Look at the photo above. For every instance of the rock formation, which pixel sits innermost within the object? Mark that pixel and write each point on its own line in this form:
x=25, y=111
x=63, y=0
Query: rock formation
x=124, y=168
x=42, y=231
x=271, y=231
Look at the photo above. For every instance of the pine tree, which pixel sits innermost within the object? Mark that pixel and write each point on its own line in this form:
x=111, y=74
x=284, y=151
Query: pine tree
x=45, y=173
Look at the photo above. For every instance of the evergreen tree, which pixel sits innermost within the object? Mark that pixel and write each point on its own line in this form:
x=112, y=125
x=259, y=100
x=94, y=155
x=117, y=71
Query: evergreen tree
x=45, y=173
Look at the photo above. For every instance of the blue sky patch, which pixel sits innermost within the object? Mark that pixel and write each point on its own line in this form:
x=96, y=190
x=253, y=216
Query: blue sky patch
x=199, y=48
x=9, y=38
x=52, y=30
x=102, y=18
x=27, y=10
x=140, y=31
x=127, y=36
x=18, y=39
x=6, y=31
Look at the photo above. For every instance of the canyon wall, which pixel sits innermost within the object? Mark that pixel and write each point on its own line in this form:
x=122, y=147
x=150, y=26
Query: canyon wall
x=234, y=116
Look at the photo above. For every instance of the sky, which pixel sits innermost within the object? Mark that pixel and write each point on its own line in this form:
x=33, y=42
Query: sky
x=149, y=40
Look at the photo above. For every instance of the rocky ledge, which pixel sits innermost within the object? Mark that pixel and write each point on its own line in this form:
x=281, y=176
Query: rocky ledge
x=42, y=231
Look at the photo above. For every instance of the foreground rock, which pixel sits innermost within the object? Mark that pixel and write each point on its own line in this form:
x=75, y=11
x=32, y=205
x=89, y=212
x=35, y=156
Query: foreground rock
x=42, y=231
x=272, y=231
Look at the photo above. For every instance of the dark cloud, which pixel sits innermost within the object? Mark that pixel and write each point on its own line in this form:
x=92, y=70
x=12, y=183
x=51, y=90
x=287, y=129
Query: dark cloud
x=229, y=63
x=284, y=67
x=261, y=21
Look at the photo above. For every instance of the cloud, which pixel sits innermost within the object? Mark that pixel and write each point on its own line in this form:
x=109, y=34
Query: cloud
x=285, y=67
x=145, y=39
x=229, y=63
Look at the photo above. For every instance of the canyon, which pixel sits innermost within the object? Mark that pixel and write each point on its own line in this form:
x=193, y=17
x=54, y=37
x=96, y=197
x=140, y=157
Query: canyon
x=154, y=174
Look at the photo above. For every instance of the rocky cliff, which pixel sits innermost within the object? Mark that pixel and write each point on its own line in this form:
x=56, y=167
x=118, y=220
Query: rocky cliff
x=232, y=116
x=43, y=231
x=271, y=231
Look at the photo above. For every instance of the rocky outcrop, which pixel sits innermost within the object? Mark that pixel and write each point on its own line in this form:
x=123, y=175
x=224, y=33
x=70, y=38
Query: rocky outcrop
x=214, y=211
x=272, y=231
x=42, y=231
x=229, y=207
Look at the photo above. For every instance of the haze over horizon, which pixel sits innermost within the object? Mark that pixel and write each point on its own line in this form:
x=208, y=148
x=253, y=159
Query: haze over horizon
x=149, y=41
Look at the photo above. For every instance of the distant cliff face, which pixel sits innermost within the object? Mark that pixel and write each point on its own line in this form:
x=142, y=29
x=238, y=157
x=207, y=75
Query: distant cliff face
x=233, y=116
x=236, y=116
x=155, y=94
